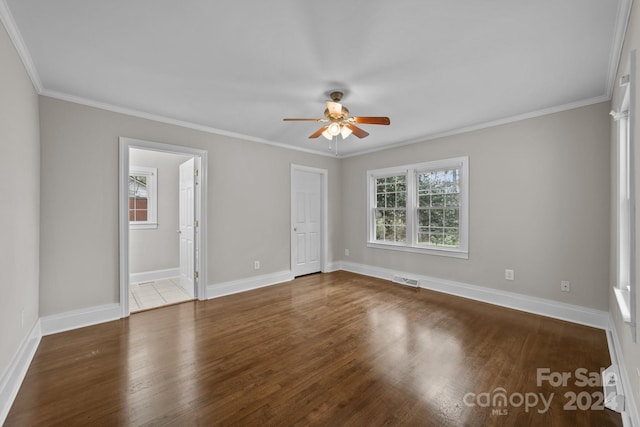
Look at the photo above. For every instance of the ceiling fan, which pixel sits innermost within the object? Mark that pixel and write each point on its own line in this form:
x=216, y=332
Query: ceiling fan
x=338, y=121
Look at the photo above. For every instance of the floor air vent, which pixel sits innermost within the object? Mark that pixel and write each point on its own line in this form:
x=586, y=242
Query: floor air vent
x=405, y=281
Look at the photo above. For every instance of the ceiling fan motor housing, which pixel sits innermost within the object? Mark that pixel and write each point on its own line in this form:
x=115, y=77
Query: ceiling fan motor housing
x=336, y=96
x=337, y=117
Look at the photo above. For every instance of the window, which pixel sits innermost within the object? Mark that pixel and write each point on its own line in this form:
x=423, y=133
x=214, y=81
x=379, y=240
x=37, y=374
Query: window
x=625, y=221
x=420, y=208
x=391, y=208
x=623, y=201
x=143, y=197
x=439, y=207
x=625, y=208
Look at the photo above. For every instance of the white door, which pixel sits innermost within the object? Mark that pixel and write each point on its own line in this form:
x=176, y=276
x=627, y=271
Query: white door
x=187, y=226
x=306, y=222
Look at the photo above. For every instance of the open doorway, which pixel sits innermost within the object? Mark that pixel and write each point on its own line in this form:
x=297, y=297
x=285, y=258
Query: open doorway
x=162, y=224
x=159, y=255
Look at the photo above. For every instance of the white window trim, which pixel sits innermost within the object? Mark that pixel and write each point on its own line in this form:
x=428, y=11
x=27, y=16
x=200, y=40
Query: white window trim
x=623, y=212
x=152, y=201
x=626, y=274
x=410, y=172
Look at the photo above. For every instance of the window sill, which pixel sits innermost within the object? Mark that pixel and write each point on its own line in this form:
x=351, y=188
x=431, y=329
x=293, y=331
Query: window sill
x=452, y=253
x=623, y=298
x=143, y=226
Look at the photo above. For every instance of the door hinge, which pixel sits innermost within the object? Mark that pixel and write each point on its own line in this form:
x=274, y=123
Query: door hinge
x=195, y=274
x=195, y=223
x=195, y=172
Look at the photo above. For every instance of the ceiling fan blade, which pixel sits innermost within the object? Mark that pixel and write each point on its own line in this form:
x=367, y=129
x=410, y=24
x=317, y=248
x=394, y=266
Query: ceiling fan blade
x=360, y=133
x=301, y=120
x=334, y=108
x=318, y=132
x=372, y=120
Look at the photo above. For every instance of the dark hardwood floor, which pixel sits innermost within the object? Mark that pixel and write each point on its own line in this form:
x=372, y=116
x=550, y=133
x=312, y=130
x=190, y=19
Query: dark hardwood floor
x=328, y=349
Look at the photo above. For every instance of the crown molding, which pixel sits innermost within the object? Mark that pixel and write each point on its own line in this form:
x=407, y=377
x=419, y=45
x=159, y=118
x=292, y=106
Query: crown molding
x=167, y=120
x=16, y=38
x=490, y=124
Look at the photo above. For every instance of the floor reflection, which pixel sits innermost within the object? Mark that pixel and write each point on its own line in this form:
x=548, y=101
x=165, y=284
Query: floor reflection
x=150, y=370
x=424, y=361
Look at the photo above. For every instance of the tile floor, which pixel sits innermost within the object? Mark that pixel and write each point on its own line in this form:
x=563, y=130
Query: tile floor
x=143, y=296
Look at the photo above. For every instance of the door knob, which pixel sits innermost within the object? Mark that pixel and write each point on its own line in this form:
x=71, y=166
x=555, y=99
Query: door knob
x=178, y=231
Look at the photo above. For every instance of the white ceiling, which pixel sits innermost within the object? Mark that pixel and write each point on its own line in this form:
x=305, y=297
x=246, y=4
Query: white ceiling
x=433, y=66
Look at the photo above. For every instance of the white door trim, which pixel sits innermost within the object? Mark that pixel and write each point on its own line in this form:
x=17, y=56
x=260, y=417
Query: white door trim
x=123, y=214
x=324, y=221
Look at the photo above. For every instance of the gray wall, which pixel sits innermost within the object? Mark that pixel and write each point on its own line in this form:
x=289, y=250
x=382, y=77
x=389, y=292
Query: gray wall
x=19, y=202
x=248, y=196
x=630, y=351
x=539, y=199
x=158, y=248
x=539, y=204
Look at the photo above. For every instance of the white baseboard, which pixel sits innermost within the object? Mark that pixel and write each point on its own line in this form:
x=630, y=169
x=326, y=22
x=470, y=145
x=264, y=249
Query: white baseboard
x=152, y=276
x=12, y=379
x=242, y=285
x=557, y=310
x=79, y=318
x=630, y=416
x=331, y=267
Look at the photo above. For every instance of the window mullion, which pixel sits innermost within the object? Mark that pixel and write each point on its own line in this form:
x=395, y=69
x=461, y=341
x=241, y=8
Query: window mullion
x=411, y=211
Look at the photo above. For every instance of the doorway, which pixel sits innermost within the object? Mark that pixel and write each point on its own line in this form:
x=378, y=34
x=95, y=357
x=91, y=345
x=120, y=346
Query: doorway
x=162, y=224
x=308, y=220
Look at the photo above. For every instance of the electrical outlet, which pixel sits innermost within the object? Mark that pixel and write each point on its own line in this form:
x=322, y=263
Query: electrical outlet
x=565, y=286
x=509, y=274
x=346, y=252
x=256, y=265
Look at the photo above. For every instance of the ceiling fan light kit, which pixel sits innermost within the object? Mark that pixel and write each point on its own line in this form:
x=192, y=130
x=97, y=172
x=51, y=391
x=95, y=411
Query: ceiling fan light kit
x=345, y=132
x=334, y=129
x=339, y=122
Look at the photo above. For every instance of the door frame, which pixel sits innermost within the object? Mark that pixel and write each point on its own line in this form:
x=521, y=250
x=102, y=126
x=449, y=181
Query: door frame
x=324, y=213
x=123, y=213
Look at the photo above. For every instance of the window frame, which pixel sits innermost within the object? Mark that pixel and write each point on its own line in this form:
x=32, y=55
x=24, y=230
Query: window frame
x=152, y=197
x=411, y=172
x=375, y=208
x=625, y=208
x=625, y=291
